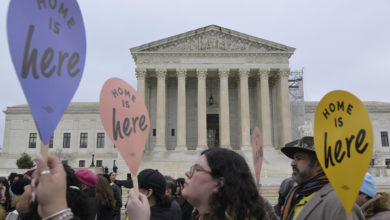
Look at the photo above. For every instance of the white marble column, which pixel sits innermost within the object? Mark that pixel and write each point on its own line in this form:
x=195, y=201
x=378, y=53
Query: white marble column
x=244, y=106
x=284, y=105
x=181, y=110
x=141, y=89
x=266, y=128
x=202, y=114
x=224, y=121
x=161, y=110
x=141, y=85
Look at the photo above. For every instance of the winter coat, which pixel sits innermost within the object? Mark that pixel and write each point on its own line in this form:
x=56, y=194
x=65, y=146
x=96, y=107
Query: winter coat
x=377, y=208
x=160, y=213
x=117, y=197
x=380, y=216
x=325, y=205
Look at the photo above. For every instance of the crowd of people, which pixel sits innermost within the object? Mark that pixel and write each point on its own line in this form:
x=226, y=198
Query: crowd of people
x=219, y=185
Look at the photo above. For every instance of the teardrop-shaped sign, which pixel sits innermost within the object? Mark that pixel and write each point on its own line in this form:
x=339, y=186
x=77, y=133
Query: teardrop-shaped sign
x=258, y=152
x=125, y=119
x=48, y=47
x=344, y=143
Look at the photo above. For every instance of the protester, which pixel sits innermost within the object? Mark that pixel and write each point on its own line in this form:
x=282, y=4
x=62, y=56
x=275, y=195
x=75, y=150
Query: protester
x=105, y=200
x=152, y=184
x=18, y=189
x=117, y=195
x=269, y=209
x=284, y=189
x=5, y=197
x=219, y=185
x=76, y=198
x=170, y=192
x=378, y=208
x=12, y=177
x=51, y=189
x=313, y=197
x=88, y=181
x=367, y=190
x=185, y=206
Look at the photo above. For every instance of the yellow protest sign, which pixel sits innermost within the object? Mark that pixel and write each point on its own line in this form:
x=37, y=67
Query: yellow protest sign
x=344, y=143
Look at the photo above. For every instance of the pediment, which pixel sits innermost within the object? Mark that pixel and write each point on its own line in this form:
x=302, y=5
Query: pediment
x=212, y=38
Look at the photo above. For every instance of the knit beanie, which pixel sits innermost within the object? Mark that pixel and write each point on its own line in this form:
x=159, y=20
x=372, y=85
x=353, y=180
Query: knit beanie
x=368, y=186
x=18, y=186
x=152, y=179
x=87, y=177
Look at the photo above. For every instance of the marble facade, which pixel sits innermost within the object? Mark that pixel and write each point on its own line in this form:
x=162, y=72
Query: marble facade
x=248, y=81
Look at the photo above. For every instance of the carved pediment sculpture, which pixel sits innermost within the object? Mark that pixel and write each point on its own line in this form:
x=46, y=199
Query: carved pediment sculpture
x=212, y=38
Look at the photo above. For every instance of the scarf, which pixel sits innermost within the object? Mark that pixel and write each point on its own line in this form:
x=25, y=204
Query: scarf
x=298, y=192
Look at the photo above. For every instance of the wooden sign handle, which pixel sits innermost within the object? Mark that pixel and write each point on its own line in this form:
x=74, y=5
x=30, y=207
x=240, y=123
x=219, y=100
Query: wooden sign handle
x=135, y=184
x=44, y=151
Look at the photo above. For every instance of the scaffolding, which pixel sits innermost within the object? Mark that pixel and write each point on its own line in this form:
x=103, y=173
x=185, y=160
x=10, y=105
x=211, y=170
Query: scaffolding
x=294, y=78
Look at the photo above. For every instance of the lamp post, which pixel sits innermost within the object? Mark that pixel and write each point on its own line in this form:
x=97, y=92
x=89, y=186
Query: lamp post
x=114, y=168
x=93, y=161
x=211, y=99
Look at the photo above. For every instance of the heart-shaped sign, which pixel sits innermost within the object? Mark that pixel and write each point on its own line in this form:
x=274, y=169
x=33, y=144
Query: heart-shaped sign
x=48, y=47
x=258, y=153
x=125, y=119
x=344, y=143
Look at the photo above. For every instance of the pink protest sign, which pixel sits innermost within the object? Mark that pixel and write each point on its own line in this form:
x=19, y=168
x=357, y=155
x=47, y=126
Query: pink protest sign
x=125, y=119
x=257, y=147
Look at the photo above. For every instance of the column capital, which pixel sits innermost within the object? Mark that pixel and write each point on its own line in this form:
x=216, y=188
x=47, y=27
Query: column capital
x=161, y=73
x=264, y=73
x=284, y=72
x=140, y=72
x=181, y=72
x=201, y=73
x=243, y=72
x=223, y=73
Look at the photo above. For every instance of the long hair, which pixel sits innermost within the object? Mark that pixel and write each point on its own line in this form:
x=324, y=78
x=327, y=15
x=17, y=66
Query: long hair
x=7, y=198
x=238, y=198
x=104, y=193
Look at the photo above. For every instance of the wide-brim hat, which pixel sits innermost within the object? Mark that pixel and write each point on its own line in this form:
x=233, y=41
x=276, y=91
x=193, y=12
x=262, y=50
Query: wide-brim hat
x=303, y=144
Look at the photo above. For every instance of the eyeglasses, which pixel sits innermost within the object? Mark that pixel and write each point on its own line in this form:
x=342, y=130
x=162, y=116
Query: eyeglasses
x=196, y=168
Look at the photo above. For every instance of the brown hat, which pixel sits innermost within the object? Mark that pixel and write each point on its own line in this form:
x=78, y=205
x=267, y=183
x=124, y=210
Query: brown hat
x=303, y=144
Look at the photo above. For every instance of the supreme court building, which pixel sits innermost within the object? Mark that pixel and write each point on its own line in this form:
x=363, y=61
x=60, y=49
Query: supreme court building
x=211, y=86
x=204, y=88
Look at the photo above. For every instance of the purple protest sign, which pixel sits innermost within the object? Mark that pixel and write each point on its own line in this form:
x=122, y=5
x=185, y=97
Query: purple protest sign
x=48, y=47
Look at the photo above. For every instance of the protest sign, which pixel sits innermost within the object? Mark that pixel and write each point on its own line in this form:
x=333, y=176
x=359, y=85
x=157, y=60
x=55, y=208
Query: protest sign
x=344, y=143
x=258, y=153
x=126, y=121
x=48, y=47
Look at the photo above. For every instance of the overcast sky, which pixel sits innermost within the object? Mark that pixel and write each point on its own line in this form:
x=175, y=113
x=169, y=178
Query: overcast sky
x=340, y=44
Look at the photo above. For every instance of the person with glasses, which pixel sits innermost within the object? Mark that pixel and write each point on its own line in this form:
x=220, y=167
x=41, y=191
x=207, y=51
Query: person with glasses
x=219, y=185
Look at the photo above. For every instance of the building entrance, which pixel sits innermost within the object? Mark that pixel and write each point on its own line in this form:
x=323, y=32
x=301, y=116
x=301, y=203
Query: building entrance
x=212, y=130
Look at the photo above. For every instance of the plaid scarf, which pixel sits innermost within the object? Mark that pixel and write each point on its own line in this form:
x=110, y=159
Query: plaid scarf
x=298, y=192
